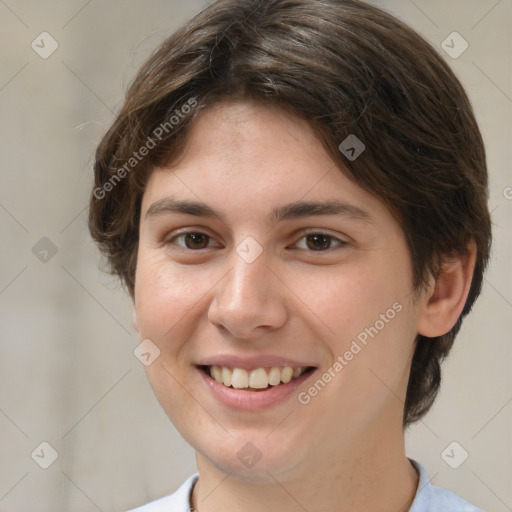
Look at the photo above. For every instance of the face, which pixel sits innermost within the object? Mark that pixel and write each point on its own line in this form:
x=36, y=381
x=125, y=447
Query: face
x=264, y=283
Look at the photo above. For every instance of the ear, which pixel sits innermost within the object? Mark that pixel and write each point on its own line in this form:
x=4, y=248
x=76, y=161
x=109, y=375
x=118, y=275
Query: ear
x=447, y=294
x=135, y=320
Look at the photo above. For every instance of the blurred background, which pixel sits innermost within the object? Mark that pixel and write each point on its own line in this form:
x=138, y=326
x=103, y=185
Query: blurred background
x=80, y=428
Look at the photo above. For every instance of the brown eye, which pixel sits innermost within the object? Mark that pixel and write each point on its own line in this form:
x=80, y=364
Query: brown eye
x=320, y=242
x=192, y=240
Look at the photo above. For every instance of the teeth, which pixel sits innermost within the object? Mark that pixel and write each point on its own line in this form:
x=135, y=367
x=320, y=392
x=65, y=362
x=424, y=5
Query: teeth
x=215, y=372
x=239, y=378
x=274, y=377
x=286, y=374
x=258, y=378
x=226, y=376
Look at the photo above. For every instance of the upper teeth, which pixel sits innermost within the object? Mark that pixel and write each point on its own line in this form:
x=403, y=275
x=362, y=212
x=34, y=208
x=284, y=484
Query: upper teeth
x=258, y=378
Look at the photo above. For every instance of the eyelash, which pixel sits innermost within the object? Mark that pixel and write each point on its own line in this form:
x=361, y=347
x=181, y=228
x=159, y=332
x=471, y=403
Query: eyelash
x=326, y=235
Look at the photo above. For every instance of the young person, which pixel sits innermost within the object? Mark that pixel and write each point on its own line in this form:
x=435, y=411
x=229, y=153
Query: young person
x=295, y=196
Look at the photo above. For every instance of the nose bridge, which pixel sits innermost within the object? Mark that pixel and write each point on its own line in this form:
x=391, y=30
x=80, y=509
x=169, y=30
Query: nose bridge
x=247, y=282
x=247, y=296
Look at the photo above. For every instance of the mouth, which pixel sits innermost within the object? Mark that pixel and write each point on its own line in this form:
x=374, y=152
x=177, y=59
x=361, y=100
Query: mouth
x=256, y=379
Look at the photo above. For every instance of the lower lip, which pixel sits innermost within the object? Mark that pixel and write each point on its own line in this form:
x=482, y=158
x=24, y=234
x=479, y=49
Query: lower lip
x=246, y=400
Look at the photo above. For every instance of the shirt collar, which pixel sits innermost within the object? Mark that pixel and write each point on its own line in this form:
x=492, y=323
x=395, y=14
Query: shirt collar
x=420, y=503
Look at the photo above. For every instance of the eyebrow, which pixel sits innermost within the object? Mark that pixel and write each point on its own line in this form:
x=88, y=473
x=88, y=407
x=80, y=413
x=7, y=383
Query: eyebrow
x=169, y=205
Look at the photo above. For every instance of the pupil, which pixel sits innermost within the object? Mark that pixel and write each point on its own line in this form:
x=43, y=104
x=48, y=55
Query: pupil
x=194, y=237
x=316, y=238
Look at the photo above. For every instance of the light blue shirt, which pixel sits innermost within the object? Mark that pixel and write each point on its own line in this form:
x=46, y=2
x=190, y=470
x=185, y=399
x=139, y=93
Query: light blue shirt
x=428, y=498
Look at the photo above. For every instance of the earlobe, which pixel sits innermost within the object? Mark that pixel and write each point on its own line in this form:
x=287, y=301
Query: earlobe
x=445, y=300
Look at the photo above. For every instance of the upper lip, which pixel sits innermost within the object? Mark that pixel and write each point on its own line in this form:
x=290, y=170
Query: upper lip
x=249, y=363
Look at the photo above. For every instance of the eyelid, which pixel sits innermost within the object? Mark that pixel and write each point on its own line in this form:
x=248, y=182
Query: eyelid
x=320, y=231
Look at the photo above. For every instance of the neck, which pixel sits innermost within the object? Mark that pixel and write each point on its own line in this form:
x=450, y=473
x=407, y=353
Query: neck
x=374, y=476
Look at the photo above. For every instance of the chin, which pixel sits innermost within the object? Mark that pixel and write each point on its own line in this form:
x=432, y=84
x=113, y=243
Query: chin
x=259, y=458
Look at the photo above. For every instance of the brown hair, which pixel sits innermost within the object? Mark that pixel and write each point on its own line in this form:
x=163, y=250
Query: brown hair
x=346, y=67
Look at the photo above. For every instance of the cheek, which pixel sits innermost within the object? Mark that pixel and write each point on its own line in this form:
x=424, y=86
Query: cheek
x=163, y=296
x=371, y=319
x=164, y=301
x=350, y=299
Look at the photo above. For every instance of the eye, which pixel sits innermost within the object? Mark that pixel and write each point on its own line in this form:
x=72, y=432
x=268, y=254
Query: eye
x=315, y=241
x=320, y=242
x=192, y=240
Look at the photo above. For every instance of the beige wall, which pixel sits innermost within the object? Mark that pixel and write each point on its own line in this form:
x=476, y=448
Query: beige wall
x=67, y=372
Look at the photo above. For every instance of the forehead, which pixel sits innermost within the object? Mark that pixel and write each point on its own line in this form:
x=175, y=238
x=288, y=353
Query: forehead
x=238, y=131
x=252, y=156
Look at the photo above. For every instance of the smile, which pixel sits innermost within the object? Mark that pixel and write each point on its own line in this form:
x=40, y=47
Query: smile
x=255, y=379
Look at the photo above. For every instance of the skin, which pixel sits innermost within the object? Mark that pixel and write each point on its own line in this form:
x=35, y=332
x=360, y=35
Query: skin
x=344, y=450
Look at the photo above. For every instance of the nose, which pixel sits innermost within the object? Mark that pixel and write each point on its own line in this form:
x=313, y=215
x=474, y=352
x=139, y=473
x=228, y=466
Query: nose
x=249, y=300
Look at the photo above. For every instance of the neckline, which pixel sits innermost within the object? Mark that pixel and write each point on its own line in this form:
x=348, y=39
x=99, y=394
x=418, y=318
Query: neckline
x=422, y=481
